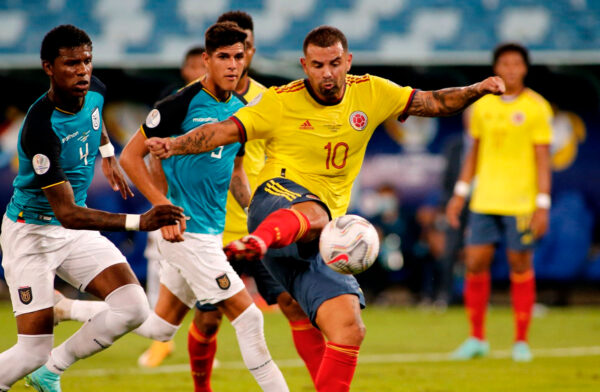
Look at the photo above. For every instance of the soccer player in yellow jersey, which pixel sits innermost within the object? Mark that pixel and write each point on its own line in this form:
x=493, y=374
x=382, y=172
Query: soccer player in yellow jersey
x=202, y=343
x=510, y=158
x=316, y=131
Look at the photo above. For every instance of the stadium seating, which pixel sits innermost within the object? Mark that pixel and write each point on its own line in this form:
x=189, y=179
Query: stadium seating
x=389, y=30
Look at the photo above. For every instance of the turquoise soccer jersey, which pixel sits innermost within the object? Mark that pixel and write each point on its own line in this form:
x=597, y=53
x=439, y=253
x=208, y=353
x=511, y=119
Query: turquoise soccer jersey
x=197, y=183
x=56, y=146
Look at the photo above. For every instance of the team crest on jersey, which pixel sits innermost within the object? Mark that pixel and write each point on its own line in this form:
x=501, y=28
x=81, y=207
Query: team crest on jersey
x=153, y=118
x=358, y=120
x=25, y=295
x=96, y=119
x=518, y=118
x=223, y=281
x=40, y=163
x=255, y=100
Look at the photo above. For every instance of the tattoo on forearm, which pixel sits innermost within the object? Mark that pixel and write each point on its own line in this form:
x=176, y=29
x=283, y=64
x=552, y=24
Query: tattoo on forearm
x=240, y=191
x=443, y=102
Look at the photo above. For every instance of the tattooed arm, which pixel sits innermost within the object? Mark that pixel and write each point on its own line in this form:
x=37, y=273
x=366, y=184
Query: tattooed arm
x=450, y=101
x=239, y=186
x=204, y=138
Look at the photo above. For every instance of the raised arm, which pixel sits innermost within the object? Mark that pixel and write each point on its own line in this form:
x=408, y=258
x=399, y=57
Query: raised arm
x=72, y=216
x=449, y=101
x=204, y=138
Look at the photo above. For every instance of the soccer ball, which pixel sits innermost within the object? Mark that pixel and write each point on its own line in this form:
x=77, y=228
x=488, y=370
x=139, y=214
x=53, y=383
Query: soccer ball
x=349, y=244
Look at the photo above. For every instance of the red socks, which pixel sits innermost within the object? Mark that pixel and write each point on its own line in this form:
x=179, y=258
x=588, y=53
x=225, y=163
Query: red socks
x=202, y=350
x=337, y=368
x=523, y=299
x=310, y=345
x=282, y=227
x=477, y=295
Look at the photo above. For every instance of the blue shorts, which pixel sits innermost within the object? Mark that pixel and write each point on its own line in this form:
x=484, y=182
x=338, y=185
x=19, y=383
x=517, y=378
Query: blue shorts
x=298, y=267
x=492, y=229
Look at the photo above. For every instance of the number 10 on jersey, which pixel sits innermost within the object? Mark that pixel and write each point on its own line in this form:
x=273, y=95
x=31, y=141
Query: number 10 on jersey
x=336, y=155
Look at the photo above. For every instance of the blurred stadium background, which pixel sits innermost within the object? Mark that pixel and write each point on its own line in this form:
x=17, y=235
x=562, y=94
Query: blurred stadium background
x=139, y=45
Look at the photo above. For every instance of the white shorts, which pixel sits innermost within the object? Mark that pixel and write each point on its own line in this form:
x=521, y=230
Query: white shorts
x=34, y=254
x=197, y=270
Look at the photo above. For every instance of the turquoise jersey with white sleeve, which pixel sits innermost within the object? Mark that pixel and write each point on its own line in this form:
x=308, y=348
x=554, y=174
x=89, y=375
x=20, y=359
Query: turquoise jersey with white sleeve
x=56, y=146
x=198, y=183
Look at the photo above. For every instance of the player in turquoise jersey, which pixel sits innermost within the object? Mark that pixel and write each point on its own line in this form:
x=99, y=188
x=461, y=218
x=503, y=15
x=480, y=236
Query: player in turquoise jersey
x=47, y=229
x=195, y=267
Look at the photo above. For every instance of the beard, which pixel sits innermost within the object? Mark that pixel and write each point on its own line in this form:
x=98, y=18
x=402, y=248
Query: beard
x=329, y=92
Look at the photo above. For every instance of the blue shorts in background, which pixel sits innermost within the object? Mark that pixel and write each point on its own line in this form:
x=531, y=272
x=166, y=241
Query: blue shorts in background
x=492, y=229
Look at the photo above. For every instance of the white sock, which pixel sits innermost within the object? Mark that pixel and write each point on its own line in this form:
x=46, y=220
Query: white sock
x=30, y=353
x=127, y=309
x=156, y=328
x=251, y=339
x=84, y=310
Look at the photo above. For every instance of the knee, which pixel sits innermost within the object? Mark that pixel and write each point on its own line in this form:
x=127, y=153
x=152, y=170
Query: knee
x=208, y=323
x=130, y=303
x=357, y=333
x=249, y=321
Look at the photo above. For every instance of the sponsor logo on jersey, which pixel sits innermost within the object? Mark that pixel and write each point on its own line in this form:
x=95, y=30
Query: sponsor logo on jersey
x=223, y=282
x=69, y=137
x=518, y=118
x=358, y=120
x=96, y=119
x=153, y=118
x=40, y=164
x=25, y=295
x=306, y=125
x=206, y=120
x=255, y=100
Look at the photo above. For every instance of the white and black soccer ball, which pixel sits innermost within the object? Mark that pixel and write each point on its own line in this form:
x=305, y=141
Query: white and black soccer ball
x=349, y=244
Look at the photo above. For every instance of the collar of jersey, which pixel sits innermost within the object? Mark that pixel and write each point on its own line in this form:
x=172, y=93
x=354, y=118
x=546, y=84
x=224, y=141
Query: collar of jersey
x=319, y=100
x=215, y=98
x=65, y=111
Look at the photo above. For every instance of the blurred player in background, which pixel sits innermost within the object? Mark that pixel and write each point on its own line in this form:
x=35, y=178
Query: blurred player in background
x=192, y=68
x=196, y=268
x=316, y=132
x=47, y=230
x=202, y=343
x=510, y=158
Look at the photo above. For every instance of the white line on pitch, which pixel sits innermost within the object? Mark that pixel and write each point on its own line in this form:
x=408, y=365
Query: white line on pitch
x=380, y=358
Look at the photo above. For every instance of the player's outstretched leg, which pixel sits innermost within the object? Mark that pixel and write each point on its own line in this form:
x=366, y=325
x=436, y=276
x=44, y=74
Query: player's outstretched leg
x=339, y=319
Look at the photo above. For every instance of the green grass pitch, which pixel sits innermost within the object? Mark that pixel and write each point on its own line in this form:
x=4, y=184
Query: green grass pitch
x=405, y=350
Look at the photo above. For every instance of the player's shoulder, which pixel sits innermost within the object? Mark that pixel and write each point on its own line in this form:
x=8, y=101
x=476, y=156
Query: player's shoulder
x=255, y=84
x=39, y=113
x=290, y=88
x=536, y=98
x=359, y=79
x=183, y=96
x=97, y=86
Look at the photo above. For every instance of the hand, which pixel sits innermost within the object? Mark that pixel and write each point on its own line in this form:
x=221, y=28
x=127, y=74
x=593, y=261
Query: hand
x=492, y=85
x=159, y=147
x=539, y=222
x=159, y=216
x=174, y=233
x=453, y=210
x=114, y=175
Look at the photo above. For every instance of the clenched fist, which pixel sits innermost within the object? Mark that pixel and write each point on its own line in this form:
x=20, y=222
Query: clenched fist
x=492, y=85
x=159, y=216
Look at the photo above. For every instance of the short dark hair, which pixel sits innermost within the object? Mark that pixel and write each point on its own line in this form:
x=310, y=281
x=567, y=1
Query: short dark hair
x=325, y=36
x=510, y=47
x=241, y=18
x=63, y=36
x=223, y=34
x=194, y=51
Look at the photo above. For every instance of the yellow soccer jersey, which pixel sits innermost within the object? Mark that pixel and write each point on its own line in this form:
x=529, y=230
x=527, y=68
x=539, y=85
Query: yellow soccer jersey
x=318, y=145
x=506, y=182
x=254, y=161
